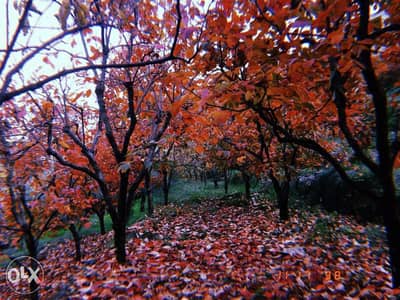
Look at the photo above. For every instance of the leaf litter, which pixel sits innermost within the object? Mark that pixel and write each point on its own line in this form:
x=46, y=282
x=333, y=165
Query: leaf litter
x=215, y=251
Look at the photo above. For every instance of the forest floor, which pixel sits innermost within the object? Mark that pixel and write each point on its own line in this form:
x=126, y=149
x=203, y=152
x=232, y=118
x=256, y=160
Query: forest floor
x=218, y=249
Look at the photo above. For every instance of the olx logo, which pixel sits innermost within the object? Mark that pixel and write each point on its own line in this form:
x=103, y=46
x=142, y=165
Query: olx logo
x=23, y=273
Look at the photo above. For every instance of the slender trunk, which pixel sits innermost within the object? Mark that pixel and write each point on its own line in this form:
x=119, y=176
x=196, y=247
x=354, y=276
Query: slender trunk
x=119, y=242
x=119, y=224
x=226, y=181
x=31, y=245
x=284, y=202
x=165, y=186
x=142, y=200
x=100, y=216
x=150, y=207
x=391, y=217
x=282, y=196
x=215, y=182
x=33, y=285
x=246, y=179
x=77, y=241
x=147, y=183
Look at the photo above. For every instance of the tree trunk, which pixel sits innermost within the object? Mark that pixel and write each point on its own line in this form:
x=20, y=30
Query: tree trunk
x=100, y=216
x=147, y=183
x=142, y=200
x=215, y=182
x=165, y=186
x=77, y=241
x=150, y=207
x=31, y=245
x=33, y=285
x=226, y=181
x=246, y=179
x=119, y=242
x=391, y=217
x=391, y=209
x=284, y=202
x=282, y=196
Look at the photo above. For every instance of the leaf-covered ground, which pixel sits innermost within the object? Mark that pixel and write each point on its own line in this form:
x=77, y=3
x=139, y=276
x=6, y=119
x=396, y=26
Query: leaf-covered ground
x=216, y=251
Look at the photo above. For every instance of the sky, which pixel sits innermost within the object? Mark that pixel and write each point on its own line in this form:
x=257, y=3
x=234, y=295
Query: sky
x=46, y=22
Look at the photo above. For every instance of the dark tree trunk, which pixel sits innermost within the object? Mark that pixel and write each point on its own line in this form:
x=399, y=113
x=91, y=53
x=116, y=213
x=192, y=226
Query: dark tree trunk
x=215, y=182
x=31, y=245
x=142, y=200
x=119, y=223
x=119, y=242
x=247, y=186
x=391, y=217
x=391, y=209
x=147, y=183
x=150, y=207
x=226, y=181
x=204, y=177
x=77, y=241
x=33, y=285
x=284, y=202
x=282, y=196
x=100, y=216
x=214, y=176
x=165, y=186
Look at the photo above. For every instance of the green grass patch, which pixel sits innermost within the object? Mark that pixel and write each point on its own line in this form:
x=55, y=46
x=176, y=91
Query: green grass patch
x=186, y=190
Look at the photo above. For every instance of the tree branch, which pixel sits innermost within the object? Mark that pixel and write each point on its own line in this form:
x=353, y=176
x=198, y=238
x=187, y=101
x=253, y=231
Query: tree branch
x=25, y=59
x=340, y=98
x=377, y=33
x=21, y=24
x=46, y=225
x=4, y=97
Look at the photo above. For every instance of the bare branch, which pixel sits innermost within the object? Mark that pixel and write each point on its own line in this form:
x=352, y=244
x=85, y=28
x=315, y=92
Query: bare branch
x=378, y=33
x=21, y=24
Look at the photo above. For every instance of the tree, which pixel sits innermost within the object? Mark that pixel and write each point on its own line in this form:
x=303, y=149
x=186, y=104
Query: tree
x=115, y=182
x=74, y=202
x=27, y=201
